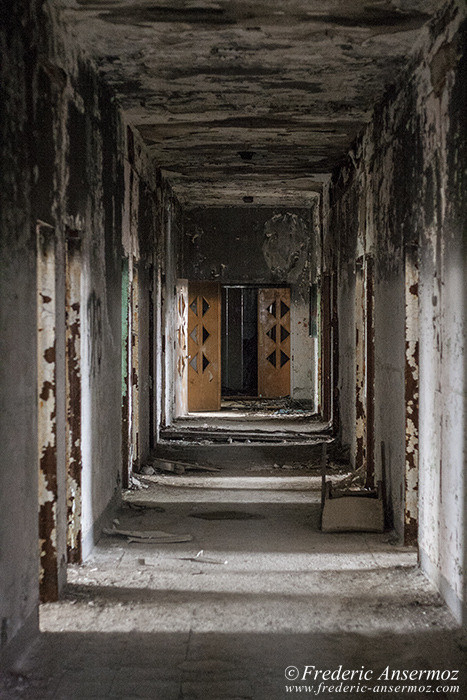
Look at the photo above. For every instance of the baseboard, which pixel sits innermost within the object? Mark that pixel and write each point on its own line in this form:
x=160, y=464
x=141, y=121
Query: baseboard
x=457, y=606
x=104, y=520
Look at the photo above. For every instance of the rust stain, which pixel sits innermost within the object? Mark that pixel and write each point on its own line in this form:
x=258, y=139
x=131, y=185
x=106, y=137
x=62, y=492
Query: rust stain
x=412, y=352
x=46, y=383
x=47, y=463
x=47, y=388
x=73, y=398
x=49, y=354
x=48, y=553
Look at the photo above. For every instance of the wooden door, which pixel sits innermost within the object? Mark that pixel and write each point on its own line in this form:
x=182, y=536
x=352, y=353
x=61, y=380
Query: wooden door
x=204, y=347
x=181, y=349
x=274, y=342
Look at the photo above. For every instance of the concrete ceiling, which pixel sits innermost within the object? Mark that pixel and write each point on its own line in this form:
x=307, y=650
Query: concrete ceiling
x=245, y=98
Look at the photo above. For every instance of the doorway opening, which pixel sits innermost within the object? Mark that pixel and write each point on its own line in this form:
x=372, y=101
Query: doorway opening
x=236, y=364
x=255, y=341
x=239, y=343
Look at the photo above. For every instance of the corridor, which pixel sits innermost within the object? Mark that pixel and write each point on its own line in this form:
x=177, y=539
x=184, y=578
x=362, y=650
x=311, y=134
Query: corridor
x=267, y=592
x=232, y=314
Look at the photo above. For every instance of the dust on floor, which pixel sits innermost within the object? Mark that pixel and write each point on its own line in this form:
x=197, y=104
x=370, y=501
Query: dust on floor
x=224, y=615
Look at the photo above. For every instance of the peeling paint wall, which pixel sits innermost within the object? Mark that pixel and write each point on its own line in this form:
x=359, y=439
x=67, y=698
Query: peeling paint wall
x=171, y=223
x=402, y=189
x=19, y=559
x=73, y=456
x=412, y=394
x=47, y=413
x=93, y=202
x=69, y=162
x=241, y=245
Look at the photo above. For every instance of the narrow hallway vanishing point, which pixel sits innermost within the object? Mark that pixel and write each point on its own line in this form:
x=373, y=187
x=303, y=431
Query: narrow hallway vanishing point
x=232, y=331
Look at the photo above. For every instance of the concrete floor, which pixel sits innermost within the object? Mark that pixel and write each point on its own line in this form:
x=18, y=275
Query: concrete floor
x=305, y=423
x=280, y=417
x=247, y=459
x=146, y=621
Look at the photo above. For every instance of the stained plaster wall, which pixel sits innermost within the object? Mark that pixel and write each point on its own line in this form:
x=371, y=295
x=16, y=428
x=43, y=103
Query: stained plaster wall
x=144, y=245
x=18, y=477
x=65, y=161
x=403, y=186
x=171, y=227
x=261, y=245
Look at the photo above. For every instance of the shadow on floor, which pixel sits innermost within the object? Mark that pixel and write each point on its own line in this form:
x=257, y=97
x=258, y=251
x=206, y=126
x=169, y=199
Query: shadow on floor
x=171, y=666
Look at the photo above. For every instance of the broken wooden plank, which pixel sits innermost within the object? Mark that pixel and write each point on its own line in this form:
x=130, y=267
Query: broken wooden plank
x=165, y=465
x=201, y=558
x=201, y=468
x=148, y=536
x=174, y=539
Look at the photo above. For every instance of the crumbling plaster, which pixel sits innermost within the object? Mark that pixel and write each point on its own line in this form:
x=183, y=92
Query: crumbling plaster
x=218, y=97
x=402, y=187
x=66, y=161
x=239, y=98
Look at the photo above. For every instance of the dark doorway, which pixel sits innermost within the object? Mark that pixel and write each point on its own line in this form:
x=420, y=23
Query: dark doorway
x=239, y=347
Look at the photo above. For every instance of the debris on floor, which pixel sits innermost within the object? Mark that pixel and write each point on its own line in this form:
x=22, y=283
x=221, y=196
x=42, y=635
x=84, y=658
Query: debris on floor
x=285, y=406
x=355, y=481
x=226, y=515
x=148, y=536
x=161, y=465
x=201, y=558
x=137, y=484
x=142, y=505
x=158, y=465
x=147, y=470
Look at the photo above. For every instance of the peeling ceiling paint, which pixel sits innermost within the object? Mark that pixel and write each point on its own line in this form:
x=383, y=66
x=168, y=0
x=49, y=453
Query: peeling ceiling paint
x=289, y=83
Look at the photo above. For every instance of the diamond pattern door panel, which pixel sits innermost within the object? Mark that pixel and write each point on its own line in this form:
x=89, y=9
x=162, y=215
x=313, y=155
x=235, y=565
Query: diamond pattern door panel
x=274, y=342
x=204, y=320
x=181, y=349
